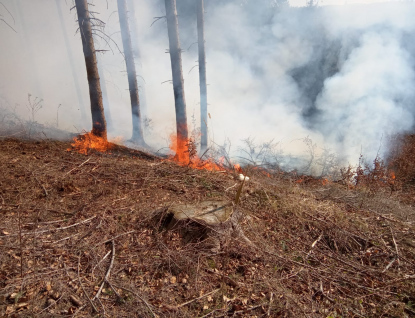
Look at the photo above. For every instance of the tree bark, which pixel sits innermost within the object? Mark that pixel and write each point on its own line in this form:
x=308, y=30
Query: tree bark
x=137, y=59
x=99, y=125
x=105, y=101
x=202, y=76
x=177, y=73
x=137, y=136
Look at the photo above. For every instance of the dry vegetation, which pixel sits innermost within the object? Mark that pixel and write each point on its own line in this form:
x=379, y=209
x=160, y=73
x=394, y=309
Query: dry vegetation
x=83, y=235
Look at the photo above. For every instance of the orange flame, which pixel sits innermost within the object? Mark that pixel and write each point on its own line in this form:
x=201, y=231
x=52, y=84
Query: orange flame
x=324, y=182
x=392, y=177
x=238, y=168
x=185, y=151
x=83, y=143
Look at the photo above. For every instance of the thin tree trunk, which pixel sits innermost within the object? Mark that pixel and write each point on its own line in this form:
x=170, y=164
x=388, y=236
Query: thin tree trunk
x=105, y=102
x=99, y=125
x=177, y=73
x=137, y=136
x=137, y=59
x=202, y=76
x=71, y=62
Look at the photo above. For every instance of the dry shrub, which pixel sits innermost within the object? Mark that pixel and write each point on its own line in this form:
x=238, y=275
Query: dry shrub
x=402, y=158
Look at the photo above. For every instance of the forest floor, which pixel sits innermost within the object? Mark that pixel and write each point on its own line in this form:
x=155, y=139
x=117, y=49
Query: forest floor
x=83, y=235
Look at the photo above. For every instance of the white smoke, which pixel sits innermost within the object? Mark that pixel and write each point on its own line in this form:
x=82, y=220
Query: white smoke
x=344, y=76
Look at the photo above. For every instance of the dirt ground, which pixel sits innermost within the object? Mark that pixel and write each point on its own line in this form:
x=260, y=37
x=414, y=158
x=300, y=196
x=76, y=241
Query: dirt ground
x=84, y=235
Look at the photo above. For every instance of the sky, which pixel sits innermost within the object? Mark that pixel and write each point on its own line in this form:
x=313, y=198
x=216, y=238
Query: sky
x=339, y=75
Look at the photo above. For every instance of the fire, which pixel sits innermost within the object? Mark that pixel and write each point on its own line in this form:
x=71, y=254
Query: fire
x=392, y=177
x=186, y=155
x=83, y=143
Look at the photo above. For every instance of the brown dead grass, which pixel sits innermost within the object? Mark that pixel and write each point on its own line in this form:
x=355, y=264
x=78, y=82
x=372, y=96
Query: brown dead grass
x=321, y=251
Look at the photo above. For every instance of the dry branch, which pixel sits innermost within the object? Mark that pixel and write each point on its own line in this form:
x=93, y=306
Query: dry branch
x=198, y=298
x=56, y=229
x=107, y=274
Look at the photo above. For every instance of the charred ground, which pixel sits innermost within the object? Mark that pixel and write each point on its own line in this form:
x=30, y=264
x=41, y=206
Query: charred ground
x=69, y=222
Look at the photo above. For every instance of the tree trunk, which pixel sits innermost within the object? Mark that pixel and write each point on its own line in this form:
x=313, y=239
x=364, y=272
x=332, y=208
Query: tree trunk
x=177, y=73
x=137, y=136
x=71, y=62
x=202, y=76
x=99, y=125
x=137, y=59
x=105, y=101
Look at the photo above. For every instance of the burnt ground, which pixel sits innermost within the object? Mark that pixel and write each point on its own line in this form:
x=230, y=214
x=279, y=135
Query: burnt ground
x=81, y=236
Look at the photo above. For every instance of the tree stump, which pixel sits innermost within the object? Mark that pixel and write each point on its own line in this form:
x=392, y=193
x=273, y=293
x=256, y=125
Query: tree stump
x=217, y=221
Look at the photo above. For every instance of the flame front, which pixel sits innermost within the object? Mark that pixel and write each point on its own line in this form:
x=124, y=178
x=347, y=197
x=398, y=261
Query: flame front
x=186, y=155
x=88, y=141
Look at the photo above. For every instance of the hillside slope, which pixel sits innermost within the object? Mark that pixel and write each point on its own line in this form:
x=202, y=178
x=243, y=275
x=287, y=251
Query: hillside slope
x=85, y=233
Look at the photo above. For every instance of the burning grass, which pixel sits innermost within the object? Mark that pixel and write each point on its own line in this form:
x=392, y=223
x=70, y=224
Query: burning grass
x=78, y=235
x=186, y=155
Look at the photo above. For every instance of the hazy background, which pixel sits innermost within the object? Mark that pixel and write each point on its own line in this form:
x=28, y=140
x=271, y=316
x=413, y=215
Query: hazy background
x=342, y=75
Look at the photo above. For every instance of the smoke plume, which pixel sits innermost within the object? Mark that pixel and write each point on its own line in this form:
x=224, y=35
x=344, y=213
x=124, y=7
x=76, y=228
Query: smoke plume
x=341, y=75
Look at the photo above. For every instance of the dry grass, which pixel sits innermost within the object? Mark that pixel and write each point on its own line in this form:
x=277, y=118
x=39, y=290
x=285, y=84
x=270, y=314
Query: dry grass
x=71, y=223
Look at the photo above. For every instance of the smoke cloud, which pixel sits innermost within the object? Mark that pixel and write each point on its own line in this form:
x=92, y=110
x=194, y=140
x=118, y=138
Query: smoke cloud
x=342, y=75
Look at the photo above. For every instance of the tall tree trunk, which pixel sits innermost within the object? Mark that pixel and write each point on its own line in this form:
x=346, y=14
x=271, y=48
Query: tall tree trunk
x=137, y=59
x=105, y=102
x=71, y=62
x=202, y=76
x=99, y=125
x=137, y=136
x=177, y=73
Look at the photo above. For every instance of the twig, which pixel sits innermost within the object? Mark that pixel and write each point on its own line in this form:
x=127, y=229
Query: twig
x=396, y=246
x=314, y=244
x=193, y=300
x=389, y=265
x=114, y=290
x=213, y=311
x=64, y=239
x=78, y=310
x=58, y=229
x=231, y=187
x=115, y=237
x=43, y=187
x=139, y=297
x=106, y=255
x=76, y=167
x=20, y=243
x=156, y=19
x=54, y=303
x=249, y=309
x=270, y=303
x=80, y=283
x=107, y=273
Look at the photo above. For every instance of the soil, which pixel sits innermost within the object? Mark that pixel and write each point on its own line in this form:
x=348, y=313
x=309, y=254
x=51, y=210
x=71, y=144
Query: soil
x=85, y=235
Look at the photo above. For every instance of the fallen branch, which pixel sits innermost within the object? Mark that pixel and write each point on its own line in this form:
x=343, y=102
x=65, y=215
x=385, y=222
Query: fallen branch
x=83, y=289
x=56, y=229
x=389, y=265
x=76, y=167
x=107, y=274
x=396, y=246
x=43, y=187
x=270, y=303
x=195, y=299
x=139, y=297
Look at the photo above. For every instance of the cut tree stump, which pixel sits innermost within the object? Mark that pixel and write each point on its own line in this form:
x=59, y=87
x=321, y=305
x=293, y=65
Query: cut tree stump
x=218, y=221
